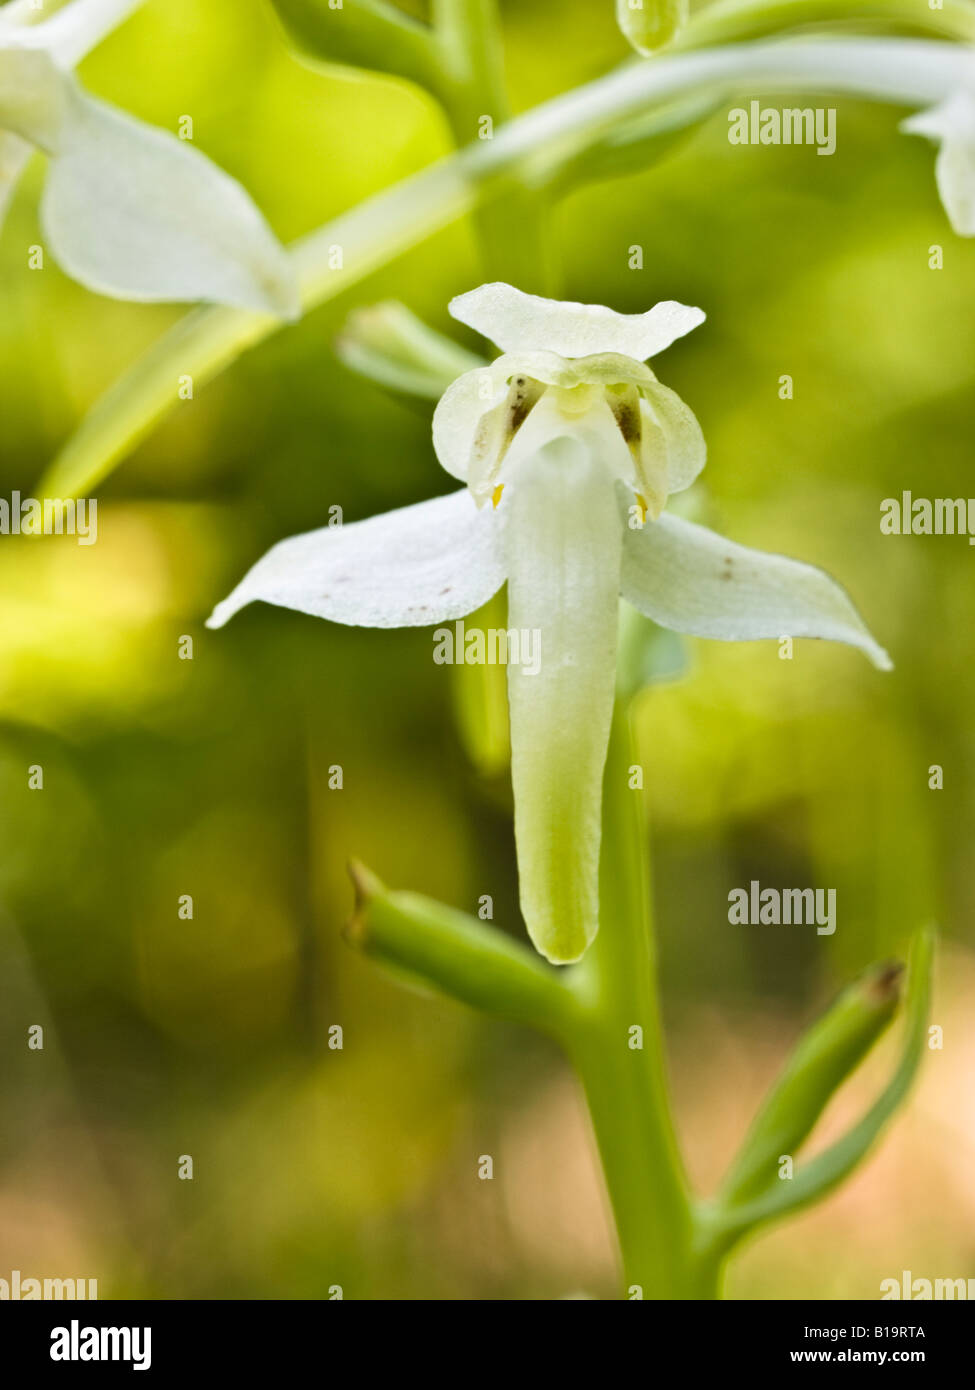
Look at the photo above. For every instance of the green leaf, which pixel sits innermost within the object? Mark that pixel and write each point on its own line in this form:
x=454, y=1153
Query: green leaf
x=370, y=34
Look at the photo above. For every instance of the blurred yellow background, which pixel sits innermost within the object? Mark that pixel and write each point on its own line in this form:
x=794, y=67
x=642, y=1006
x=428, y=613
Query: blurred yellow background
x=357, y=1167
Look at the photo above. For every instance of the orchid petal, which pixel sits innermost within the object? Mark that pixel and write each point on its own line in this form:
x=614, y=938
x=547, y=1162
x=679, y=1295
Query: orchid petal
x=134, y=212
x=428, y=563
x=683, y=439
x=952, y=125
x=76, y=29
x=458, y=438
x=563, y=537
x=690, y=579
x=520, y=322
x=33, y=95
x=14, y=154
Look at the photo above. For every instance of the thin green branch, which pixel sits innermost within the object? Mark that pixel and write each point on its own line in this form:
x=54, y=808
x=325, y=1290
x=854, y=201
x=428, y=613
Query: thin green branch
x=511, y=230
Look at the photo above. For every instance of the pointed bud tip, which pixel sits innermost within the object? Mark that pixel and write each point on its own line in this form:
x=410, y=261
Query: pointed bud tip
x=651, y=24
x=882, y=984
x=367, y=886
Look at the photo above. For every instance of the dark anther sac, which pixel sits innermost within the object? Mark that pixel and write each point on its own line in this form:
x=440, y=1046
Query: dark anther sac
x=523, y=395
x=628, y=418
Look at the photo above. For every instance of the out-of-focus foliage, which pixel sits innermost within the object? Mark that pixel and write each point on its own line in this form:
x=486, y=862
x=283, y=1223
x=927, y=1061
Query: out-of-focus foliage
x=211, y=777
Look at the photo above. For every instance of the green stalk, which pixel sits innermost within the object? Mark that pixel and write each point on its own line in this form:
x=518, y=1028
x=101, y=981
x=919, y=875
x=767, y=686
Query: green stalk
x=511, y=229
x=626, y=1086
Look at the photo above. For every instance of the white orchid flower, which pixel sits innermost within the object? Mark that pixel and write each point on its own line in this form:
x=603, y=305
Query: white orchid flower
x=569, y=448
x=951, y=124
x=128, y=210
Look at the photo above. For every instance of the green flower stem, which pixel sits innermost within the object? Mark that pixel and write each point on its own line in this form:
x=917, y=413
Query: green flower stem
x=671, y=1246
x=480, y=701
x=626, y=1085
x=735, y=21
x=511, y=229
x=592, y=1010
x=529, y=148
x=469, y=40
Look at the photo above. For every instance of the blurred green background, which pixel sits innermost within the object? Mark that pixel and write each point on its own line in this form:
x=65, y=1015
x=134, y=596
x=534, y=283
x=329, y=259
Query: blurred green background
x=317, y=1167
